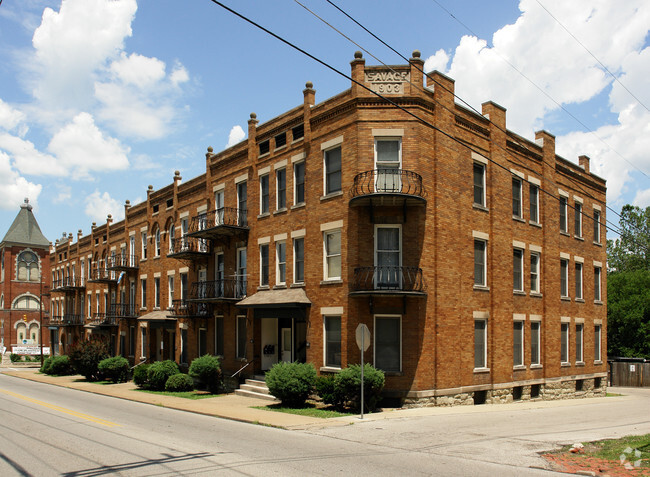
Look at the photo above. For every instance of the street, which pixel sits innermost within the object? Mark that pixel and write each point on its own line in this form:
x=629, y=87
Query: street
x=49, y=430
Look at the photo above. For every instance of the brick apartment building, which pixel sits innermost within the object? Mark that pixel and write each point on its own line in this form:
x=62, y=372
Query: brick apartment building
x=24, y=278
x=474, y=256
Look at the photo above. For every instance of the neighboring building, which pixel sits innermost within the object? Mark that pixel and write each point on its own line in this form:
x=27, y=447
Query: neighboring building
x=471, y=253
x=24, y=277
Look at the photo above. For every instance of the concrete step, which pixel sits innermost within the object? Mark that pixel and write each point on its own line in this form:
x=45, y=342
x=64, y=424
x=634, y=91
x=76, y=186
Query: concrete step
x=264, y=397
x=256, y=382
x=255, y=389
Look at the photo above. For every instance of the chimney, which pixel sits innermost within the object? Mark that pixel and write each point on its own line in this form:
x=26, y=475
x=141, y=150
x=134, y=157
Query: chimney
x=358, y=72
x=310, y=93
x=583, y=161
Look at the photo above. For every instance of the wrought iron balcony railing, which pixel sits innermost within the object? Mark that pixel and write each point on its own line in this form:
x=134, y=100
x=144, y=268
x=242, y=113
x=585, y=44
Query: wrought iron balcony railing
x=216, y=223
x=120, y=310
x=189, y=247
x=387, y=182
x=188, y=309
x=123, y=261
x=67, y=284
x=398, y=280
x=103, y=319
x=103, y=275
x=66, y=319
x=217, y=290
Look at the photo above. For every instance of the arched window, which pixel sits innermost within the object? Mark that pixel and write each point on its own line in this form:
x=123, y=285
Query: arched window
x=2, y=302
x=34, y=333
x=26, y=302
x=157, y=242
x=28, y=267
x=21, y=332
x=171, y=234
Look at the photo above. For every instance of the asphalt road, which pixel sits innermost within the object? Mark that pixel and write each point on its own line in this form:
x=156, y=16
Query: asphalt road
x=47, y=430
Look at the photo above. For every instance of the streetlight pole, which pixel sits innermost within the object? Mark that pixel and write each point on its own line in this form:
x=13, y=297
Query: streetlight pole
x=41, y=320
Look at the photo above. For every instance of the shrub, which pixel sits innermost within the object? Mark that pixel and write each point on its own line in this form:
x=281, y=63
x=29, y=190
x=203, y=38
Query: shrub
x=207, y=370
x=348, y=383
x=328, y=391
x=292, y=383
x=59, y=366
x=140, y=376
x=14, y=358
x=85, y=358
x=159, y=372
x=47, y=366
x=114, y=369
x=179, y=382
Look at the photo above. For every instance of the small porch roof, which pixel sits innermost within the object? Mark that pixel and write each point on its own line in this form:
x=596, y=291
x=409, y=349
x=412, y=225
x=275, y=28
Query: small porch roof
x=282, y=298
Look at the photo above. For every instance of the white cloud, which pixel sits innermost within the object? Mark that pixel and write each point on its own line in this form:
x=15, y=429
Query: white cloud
x=179, y=75
x=138, y=70
x=236, y=135
x=437, y=62
x=65, y=194
x=10, y=117
x=27, y=159
x=82, y=148
x=99, y=205
x=13, y=187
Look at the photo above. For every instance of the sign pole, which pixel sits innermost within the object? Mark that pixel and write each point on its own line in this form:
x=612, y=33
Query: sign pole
x=363, y=342
x=362, y=350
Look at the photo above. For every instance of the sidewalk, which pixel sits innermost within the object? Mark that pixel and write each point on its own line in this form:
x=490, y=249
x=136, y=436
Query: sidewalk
x=240, y=408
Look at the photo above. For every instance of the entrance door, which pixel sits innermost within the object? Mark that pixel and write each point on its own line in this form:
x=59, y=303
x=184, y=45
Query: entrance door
x=269, y=343
x=286, y=345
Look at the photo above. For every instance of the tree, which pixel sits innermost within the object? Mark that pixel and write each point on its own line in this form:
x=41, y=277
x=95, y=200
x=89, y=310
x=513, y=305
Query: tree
x=628, y=285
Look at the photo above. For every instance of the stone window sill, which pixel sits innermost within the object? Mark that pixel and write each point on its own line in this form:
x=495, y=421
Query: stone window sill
x=298, y=206
x=331, y=282
x=481, y=370
x=535, y=224
x=481, y=288
x=480, y=207
x=332, y=195
x=329, y=369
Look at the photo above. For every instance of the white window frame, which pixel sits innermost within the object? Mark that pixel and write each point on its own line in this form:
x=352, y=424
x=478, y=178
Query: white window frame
x=518, y=329
x=597, y=219
x=534, y=205
x=579, y=274
x=280, y=265
x=171, y=235
x=297, y=279
x=375, y=346
x=327, y=256
x=184, y=286
x=577, y=219
x=264, y=277
x=157, y=242
x=535, y=343
x=296, y=167
x=564, y=277
x=399, y=274
x=598, y=330
x=598, y=294
x=517, y=195
x=170, y=289
x=564, y=214
x=327, y=172
x=240, y=354
x=482, y=363
x=580, y=343
x=280, y=192
x=564, y=342
x=518, y=255
x=535, y=275
x=326, y=341
x=241, y=278
x=398, y=165
x=265, y=180
x=484, y=256
x=483, y=186
x=156, y=292
x=143, y=240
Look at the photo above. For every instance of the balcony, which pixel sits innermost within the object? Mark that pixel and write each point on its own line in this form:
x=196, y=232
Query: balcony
x=103, y=275
x=187, y=309
x=124, y=262
x=189, y=248
x=120, y=310
x=220, y=223
x=102, y=319
x=388, y=281
x=68, y=284
x=387, y=187
x=229, y=289
x=66, y=320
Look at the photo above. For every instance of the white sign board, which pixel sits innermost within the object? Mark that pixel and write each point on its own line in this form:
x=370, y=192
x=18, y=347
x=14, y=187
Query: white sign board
x=31, y=350
x=363, y=337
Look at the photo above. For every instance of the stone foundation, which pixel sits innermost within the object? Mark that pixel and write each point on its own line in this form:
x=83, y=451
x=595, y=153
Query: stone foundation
x=551, y=390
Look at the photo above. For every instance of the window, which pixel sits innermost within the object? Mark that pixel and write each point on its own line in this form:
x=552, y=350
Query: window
x=534, y=203
x=281, y=189
x=171, y=235
x=184, y=345
x=143, y=342
x=241, y=337
x=388, y=159
x=143, y=292
x=579, y=330
x=332, y=245
x=564, y=343
x=131, y=252
x=281, y=263
x=479, y=184
x=184, y=287
x=535, y=343
x=597, y=273
x=2, y=265
x=143, y=238
x=299, y=183
x=241, y=272
x=219, y=273
x=564, y=227
x=132, y=341
x=518, y=343
x=264, y=194
x=388, y=257
x=480, y=263
x=264, y=265
x=26, y=302
x=534, y=273
x=170, y=290
x=298, y=132
x=518, y=270
x=281, y=140
x=299, y=260
x=516, y=197
x=480, y=344
x=28, y=269
x=218, y=207
x=578, y=219
x=156, y=292
x=332, y=329
x=218, y=339
x=597, y=341
x=596, y=226
x=242, y=200
x=157, y=249
x=564, y=278
x=388, y=343
x=264, y=147
x=333, y=170
x=578, y=281
x=203, y=341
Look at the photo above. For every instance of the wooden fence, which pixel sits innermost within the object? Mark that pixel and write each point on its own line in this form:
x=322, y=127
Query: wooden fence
x=629, y=373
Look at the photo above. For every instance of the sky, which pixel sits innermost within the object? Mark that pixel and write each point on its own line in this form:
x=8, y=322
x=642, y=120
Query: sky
x=101, y=98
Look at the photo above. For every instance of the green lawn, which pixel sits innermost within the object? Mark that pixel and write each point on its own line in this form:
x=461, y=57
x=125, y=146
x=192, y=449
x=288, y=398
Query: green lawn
x=185, y=395
x=634, y=448
x=309, y=410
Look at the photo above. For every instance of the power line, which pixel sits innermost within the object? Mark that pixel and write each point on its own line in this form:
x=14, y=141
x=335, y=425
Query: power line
x=388, y=100
x=592, y=55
